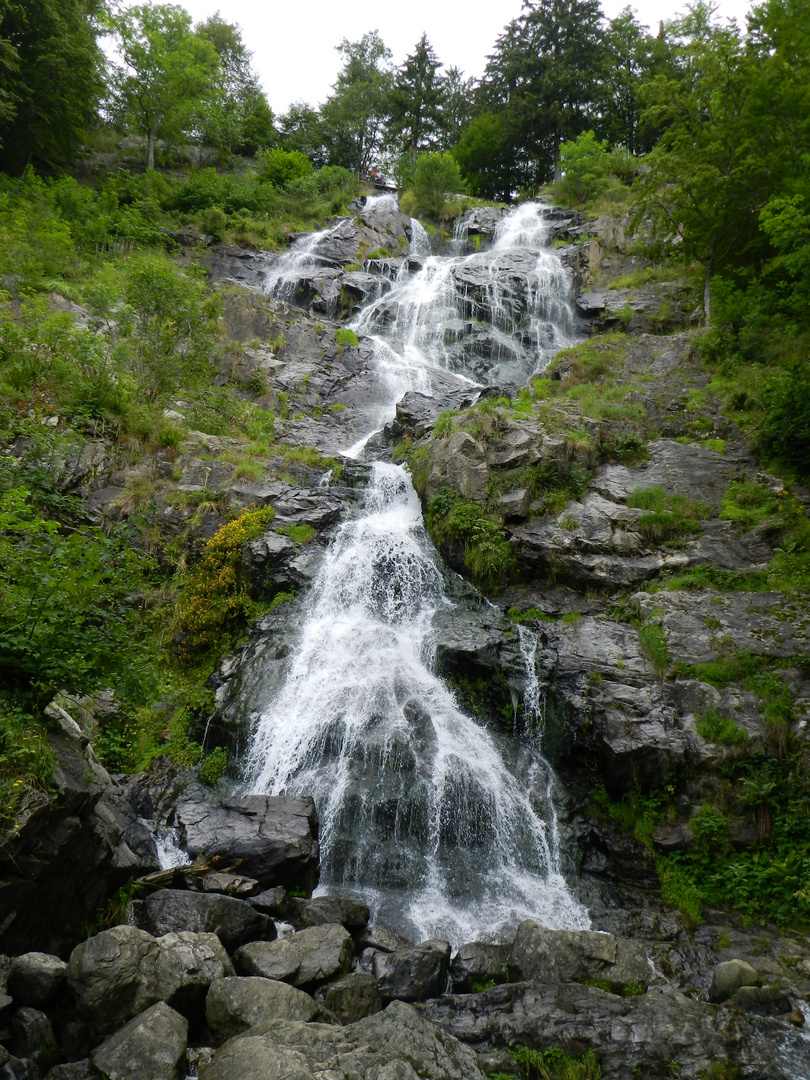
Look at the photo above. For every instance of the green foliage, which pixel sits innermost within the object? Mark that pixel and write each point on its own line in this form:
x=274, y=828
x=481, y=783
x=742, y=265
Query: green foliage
x=554, y=1064
x=302, y=534
x=65, y=618
x=213, y=766
x=721, y=729
x=653, y=644
x=282, y=167
x=26, y=760
x=344, y=336
x=435, y=176
x=215, y=604
x=487, y=553
x=586, y=164
x=759, y=674
x=748, y=504
x=670, y=517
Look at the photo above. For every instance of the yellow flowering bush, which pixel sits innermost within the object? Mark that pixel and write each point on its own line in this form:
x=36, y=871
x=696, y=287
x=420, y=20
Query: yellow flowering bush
x=215, y=601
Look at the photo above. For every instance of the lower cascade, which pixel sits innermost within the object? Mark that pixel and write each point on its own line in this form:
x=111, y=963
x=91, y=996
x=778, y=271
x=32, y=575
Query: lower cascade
x=445, y=827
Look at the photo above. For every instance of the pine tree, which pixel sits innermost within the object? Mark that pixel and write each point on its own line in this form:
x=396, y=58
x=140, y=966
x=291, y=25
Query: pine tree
x=416, y=101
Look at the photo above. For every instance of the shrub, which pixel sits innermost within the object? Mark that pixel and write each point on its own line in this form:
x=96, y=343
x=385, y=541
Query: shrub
x=344, y=336
x=721, y=729
x=435, y=175
x=216, y=604
x=653, y=644
x=488, y=555
x=282, y=167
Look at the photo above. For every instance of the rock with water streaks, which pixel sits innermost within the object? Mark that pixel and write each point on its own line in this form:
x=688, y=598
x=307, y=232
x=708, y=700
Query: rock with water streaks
x=273, y=839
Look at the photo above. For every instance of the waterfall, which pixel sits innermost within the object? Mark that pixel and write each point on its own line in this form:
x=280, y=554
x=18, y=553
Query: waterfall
x=446, y=827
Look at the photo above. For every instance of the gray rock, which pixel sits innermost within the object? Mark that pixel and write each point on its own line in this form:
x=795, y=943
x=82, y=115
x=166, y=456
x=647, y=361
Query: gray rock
x=642, y=1033
x=270, y=901
x=273, y=838
x=762, y=1000
x=234, y=921
x=380, y=1047
x=111, y=976
x=74, y=1070
x=237, y=1004
x=380, y=937
x=122, y=971
x=35, y=978
x=32, y=1037
x=268, y=959
x=323, y=951
x=152, y=1046
x=412, y=974
x=257, y=1057
x=324, y=910
x=351, y=997
x=729, y=976
x=479, y=962
x=559, y=956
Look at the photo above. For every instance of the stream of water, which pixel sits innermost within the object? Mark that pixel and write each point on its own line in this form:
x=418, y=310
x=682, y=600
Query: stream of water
x=446, y=827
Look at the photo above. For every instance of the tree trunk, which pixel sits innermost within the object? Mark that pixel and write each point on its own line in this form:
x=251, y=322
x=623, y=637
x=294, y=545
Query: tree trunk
x=707, y=282
x=150, y=146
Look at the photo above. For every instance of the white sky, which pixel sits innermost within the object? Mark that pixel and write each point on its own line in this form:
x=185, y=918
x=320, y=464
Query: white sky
x=293, y=44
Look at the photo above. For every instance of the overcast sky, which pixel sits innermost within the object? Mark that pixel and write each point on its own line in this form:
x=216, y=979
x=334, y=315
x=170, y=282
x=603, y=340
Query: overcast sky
x=293, y=44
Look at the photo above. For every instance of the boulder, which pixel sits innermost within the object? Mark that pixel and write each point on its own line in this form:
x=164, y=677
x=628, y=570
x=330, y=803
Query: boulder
x=234, y=921
x=323, y=951
x=269, y=901
x=396, y=1044
x=478, y=963
x=273, y=839
x=152, y=1046
x=559, y=956
x=268, y=959
x=235, y=1004
x=762, y=1000
x=728, y=977
x=35, y=978
x=351, y=997
x=412, y=974
x=32, y=1037
x=352, y=914
x=122, y=971
x=74, y=1070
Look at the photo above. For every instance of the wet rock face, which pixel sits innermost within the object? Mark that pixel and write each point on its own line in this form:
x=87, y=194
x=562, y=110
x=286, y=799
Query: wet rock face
x=275, y=838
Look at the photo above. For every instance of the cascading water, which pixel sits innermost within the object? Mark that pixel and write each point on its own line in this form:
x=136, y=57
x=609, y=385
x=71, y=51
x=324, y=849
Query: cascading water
x=445, y=827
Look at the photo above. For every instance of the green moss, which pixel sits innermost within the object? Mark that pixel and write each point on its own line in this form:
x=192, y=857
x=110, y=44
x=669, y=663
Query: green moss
x=302, y=534
x=344, y=336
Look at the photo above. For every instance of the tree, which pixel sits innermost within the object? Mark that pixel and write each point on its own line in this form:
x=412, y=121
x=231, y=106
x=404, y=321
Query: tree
x=302, y=128
x=416, y=100
x=485, y=158
x=456, y=106
x=238, y=118
x=51, y=79
x=561, y=42
x=707, y=179
x=630, y=59
x=167, y=70
x=354, y=116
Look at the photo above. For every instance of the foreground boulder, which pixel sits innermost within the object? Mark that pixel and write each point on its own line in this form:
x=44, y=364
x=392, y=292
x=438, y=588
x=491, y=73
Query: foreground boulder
x=397, y=1044
x=272, y=838
x=152, y=1046
x=556, y=956
x=237, y=1004
x=120, y=972
x=35, y=978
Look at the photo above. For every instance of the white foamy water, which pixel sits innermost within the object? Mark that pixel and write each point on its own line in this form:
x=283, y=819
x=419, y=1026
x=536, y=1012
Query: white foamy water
x=444, y=826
